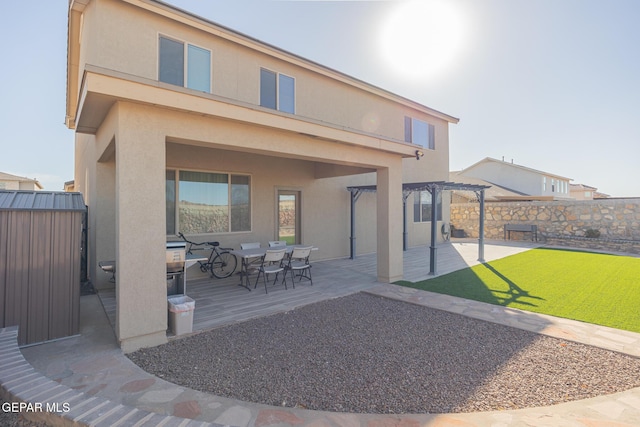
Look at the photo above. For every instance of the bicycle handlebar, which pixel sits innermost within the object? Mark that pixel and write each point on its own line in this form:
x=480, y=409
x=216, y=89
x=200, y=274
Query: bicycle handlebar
x=213, y=244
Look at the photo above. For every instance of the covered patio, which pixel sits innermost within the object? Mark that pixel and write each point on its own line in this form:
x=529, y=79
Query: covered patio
x=220, y=301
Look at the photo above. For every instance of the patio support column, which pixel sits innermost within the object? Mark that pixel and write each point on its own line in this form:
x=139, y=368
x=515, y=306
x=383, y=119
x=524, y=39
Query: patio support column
x=481, y=228
x=389, y=222
x=433, y=249
x=141, y=295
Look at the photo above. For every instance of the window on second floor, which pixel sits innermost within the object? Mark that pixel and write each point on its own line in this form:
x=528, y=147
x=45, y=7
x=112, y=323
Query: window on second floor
x=183, y=64
x=277, y=91
x=422, y=207
x=419, y=132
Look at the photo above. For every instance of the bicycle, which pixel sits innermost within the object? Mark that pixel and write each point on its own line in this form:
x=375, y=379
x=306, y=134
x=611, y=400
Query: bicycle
x=220, y=264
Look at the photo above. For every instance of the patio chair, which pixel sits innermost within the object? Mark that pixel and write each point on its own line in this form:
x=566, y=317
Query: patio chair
x=272, y=263
x=277, y=243
x=299, y=262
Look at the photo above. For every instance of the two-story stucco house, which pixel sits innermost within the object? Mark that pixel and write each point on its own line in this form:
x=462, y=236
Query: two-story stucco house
x=520, y=179
x=14, y=182
x=183, y=125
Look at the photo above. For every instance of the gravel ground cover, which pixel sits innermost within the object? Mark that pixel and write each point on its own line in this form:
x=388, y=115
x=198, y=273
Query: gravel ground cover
x=368, y=354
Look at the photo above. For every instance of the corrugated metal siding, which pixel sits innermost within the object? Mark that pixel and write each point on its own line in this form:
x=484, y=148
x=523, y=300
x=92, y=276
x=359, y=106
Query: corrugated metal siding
x=40, y=241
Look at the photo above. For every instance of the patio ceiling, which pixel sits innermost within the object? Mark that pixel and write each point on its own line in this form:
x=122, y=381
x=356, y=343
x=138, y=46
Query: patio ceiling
x=433, y=187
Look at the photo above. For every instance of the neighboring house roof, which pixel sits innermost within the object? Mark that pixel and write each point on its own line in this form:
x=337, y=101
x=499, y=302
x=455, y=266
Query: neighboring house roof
x=599, y=195
x=41, y=200
x=9, y=177
x=496, y=192
x=584, y=187
x=514, y=165
x=581, y=187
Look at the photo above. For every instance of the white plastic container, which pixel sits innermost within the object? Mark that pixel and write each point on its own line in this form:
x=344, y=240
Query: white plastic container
x=181, y=309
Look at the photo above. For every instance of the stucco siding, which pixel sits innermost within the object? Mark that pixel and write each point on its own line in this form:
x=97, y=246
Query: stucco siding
x=122, y=37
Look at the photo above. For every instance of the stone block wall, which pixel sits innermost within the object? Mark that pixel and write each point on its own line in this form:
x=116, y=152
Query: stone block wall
x=563, y=220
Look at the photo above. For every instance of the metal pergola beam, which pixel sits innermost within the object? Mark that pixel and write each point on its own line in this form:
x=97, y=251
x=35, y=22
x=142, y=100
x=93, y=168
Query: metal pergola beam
x=435, y=188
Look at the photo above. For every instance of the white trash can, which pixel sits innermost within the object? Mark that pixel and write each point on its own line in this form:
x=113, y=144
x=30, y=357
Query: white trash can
x=181, y=309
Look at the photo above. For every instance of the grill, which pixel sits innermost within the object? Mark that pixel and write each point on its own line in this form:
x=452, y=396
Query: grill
x=175, y=258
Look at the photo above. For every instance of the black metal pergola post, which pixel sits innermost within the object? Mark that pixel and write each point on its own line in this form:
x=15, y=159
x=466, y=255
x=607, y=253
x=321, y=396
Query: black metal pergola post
x=433, y=249
x=352, y=239
x=481, y=227
x=435, y=188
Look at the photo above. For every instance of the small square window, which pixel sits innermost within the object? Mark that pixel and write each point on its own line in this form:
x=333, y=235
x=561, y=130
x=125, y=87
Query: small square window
x=422, y=207
x=419, y=132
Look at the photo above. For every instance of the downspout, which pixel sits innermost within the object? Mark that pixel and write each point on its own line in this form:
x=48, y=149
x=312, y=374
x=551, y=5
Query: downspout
x=404, y=222
x=354, y=198
x=481, y=228
x=433, y=252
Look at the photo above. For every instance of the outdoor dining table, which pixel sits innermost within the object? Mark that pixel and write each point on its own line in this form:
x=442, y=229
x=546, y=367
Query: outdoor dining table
x=248, y=254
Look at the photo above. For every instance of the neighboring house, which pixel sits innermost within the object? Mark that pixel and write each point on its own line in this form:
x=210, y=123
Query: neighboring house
x=69, y=187
x=492, y=194
x=530, y=183
x=585, y=192
x=13, y=182
x=599, y=195
x=184, y=125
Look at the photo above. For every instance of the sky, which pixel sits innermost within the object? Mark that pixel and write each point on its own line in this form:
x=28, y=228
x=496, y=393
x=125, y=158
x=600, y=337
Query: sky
x=553, y=85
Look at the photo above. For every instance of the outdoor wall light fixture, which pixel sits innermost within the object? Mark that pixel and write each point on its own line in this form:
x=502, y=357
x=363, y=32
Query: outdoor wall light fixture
x=419, y=154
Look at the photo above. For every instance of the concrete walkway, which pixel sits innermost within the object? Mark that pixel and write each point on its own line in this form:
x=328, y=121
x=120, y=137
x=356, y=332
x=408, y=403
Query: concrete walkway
x=93, y=364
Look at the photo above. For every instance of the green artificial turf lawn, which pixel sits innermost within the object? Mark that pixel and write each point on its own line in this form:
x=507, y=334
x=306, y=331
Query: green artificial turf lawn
x=595, y=288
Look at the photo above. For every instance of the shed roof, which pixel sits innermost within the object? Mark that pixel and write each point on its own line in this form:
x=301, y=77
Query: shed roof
x=41, y=200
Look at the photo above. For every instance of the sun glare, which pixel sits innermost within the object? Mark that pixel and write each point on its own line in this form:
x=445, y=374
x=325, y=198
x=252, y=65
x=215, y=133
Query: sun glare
x=421, y=38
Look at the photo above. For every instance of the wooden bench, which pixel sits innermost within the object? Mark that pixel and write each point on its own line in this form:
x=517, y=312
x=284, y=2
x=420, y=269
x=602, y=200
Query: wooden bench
x=523, y=228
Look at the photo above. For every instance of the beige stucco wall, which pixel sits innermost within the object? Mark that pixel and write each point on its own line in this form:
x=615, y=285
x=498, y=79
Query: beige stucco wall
x=124, y=37
x=137, y=128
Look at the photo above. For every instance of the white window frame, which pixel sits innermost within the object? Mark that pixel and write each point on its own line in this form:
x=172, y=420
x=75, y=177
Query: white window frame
x=185, y=61
x=278, y=74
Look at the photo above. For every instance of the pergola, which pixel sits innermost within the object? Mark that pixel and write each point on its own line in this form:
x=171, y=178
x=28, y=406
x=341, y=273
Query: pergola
x=435, y=188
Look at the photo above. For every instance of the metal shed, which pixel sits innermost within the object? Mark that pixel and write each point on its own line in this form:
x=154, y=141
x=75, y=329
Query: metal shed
x=40, y=253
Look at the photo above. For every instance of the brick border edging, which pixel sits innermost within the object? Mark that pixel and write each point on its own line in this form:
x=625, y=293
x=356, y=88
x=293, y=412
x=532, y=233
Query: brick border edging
x=20, y=382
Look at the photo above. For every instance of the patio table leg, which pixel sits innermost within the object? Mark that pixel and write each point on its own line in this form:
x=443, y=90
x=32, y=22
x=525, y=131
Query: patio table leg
x=244, y=275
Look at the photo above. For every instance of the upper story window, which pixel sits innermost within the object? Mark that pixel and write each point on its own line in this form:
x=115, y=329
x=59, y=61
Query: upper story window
x=419, y=132
x=183, y=64
x=277, y=91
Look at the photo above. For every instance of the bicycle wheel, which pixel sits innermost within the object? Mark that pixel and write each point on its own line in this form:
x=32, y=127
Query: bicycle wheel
x=223, y=265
